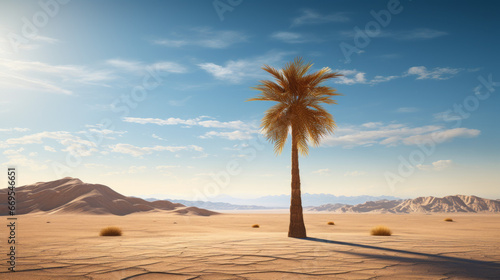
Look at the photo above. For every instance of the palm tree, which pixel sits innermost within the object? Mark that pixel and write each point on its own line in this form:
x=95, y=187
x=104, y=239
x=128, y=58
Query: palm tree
x=298, y=111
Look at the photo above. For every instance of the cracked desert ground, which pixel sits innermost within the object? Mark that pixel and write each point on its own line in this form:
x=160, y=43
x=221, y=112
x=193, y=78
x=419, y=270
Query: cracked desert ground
x=169, y=246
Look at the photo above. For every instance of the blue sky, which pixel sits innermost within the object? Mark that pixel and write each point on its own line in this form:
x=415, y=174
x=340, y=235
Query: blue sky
x=149, y=98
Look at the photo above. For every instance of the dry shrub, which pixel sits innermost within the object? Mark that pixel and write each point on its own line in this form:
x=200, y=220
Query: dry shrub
x=111, y=231
x=256, y=226
x=381, y=231
x=331, y=223
x=448, y=220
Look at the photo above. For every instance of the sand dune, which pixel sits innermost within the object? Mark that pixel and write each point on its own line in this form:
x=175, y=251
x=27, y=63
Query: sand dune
x=71, y=195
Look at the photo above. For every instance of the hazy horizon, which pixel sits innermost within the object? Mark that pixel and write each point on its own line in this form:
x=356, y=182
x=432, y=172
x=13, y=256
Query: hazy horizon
x=150, y=99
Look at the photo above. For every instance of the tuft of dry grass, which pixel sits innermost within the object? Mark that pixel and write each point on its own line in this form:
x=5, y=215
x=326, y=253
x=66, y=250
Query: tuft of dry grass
x=111, y=231
x=256, y=226
x=448, y=220
x=331, y=223
x=381, y=231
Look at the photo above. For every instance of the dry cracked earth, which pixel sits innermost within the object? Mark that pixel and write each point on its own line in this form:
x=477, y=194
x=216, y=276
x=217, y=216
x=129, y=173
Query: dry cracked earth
x=160, y=246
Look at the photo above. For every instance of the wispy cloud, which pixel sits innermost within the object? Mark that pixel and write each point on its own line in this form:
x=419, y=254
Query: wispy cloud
x=233, y=135
x=309, y=17
x=39, y=76
x=394, y=134
x=241, y=130
x=353, y=76
x=420, y=34
x=140, y=151
x=437, y=73
x=73, y=143
x=16, y=158
x=236, y=71
x=436, y=166
x=404, y=35
x=324, y=171
x=140, y=68
x=293, y=37
x=14, y=129
x=203, y=37
x=49, y=149
x=199, y=121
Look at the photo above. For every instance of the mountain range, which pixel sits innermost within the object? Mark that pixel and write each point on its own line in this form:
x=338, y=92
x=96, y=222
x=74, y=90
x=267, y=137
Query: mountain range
x=226, y=202
x=429, y=204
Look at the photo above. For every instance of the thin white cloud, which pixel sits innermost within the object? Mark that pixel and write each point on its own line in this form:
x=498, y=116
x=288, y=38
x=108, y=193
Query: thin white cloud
x=140, y=151
x=420, y=34
x=241, y=130
x=199, y=121
x=293, y=37
x=437, y=73
x=236, y=71
x=394, y=134
x=157, y=137
x=353, y=76
x=73, y=144
x=233, y=135
x=14, y=129
x=442, y=136
x=436, y=166
x=324, y=171
x=372, y=124
x=140, y=68
x=203, y=37
x=350, y=77
x=49, y=149
x=16, y=158
x=39, y=76
x=405, y=35
x=309, y=17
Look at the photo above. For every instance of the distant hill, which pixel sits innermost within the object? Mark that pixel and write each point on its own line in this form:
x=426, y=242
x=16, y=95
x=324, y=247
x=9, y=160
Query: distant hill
x=71, y=195
x=214, y=205
x=430, y=204
x=226, y=202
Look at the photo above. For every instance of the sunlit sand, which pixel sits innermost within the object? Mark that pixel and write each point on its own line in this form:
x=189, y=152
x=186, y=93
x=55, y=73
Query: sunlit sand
x=165, y=245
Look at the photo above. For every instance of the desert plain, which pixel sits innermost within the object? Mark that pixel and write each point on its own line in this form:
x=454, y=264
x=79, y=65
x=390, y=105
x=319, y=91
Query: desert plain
x=164, y=245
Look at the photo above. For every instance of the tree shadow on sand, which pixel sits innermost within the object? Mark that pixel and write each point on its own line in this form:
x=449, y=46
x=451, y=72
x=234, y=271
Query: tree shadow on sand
x=451, y=266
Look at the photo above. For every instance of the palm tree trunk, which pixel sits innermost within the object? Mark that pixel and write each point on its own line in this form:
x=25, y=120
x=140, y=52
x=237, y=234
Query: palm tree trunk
x=297, y=228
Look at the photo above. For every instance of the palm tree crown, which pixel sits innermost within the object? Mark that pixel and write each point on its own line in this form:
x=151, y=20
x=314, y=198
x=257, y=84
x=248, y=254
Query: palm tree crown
x=299, y=96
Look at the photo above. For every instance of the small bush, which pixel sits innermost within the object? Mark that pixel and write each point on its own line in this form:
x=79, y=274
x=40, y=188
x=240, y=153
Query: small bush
x=111, y=231
x=331, y=223
x=256, y=226
x=381, y=231
x=448, y=220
